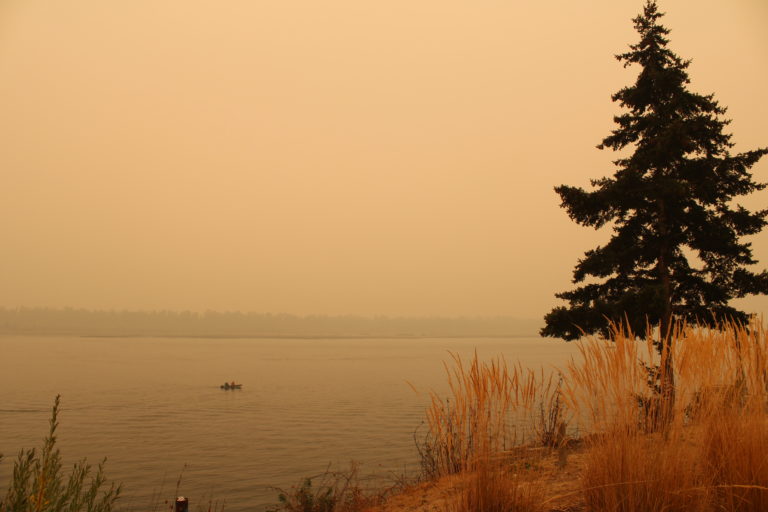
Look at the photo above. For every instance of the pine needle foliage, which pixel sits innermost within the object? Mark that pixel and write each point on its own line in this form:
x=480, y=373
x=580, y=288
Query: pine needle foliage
x=676, y=251
x=38, y=485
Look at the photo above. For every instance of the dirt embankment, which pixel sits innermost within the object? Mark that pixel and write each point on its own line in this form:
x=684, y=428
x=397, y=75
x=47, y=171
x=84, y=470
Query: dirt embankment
x=556, y=472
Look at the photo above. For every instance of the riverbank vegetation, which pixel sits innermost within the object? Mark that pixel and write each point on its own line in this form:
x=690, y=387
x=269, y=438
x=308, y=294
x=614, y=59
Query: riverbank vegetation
x=38, y=483
x=593, y=436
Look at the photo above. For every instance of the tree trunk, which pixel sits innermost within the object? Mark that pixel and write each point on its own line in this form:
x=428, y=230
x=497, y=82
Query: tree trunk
x=666, y=321
x=667, y=376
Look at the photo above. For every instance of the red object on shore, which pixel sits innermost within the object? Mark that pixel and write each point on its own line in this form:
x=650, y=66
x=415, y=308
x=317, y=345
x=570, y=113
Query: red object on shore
x=182, y=504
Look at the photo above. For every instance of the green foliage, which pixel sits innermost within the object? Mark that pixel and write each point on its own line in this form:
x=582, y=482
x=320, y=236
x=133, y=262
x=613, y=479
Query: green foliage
x=335, y=491
x=37, y=484
x=306, y=499
x=675, y=251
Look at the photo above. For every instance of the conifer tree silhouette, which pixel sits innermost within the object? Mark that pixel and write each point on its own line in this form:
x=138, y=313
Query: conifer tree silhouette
x=675, y=252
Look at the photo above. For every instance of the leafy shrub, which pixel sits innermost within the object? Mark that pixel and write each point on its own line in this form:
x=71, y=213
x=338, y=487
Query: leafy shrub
x=334, y=492
x=37, y=484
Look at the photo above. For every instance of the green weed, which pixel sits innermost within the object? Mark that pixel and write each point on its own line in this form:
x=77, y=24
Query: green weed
x=38, y=485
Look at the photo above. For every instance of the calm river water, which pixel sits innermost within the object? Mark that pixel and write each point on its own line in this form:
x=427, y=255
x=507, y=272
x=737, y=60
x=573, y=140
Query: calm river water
x=153, y=407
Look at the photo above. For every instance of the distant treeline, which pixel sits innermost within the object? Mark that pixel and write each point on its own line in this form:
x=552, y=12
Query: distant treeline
x=84, y=322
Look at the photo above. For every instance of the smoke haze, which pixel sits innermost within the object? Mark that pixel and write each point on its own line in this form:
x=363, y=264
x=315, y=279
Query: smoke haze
x=336, y=157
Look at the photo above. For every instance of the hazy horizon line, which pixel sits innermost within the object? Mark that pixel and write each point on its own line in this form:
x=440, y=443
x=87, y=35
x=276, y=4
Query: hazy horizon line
x=203, y=312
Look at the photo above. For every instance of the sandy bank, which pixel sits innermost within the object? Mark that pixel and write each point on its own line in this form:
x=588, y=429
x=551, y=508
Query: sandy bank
x=557, y=472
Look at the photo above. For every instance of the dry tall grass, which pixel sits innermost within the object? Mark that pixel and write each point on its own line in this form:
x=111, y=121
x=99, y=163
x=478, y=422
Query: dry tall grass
x=493, y=488
x=491, y=407
x=707, y=452
x=712, y=452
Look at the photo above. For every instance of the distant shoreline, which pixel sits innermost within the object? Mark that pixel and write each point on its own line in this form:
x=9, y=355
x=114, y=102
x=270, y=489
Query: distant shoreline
x=276, y=336
x=234, y=324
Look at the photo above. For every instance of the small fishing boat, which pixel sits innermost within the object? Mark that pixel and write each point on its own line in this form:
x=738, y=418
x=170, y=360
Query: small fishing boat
x=230, y=385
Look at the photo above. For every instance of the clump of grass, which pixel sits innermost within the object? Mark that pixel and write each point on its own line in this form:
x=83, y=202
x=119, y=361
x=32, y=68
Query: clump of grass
x=332, y=491
x=712, y=453
x=734, y=456
x=627, y=471
x=492, y=408
x=551, y=428
x=491, y=488
x=38, y=485
x=485, y=414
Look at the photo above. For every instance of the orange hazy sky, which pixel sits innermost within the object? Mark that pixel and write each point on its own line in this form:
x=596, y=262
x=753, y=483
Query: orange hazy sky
x=337, y=156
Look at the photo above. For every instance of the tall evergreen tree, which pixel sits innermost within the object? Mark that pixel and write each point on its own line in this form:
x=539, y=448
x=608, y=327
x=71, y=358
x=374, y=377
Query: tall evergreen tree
x=675, y=252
